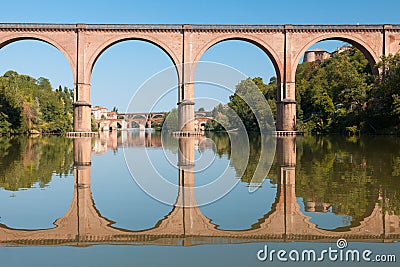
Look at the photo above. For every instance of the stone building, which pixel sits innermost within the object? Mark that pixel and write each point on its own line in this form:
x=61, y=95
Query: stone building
x=317, y=54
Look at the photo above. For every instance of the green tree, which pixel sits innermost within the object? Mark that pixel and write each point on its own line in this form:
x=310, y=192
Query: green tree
x=44, y=83
x=170, y=122
x=333, y=94
x=29, y=105
x=4, y=124
x=383, y=105
x=93, y=124
x=249, y=104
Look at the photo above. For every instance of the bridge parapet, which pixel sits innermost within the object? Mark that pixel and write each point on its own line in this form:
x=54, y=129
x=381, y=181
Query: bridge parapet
x=202, y=27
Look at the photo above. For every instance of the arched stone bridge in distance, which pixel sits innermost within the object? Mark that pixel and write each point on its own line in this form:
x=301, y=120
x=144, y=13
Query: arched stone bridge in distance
x=82, y=45
x=145, y=120
x=185, y=225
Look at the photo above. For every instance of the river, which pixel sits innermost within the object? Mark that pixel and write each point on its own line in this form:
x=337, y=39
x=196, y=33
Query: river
x=136, y=198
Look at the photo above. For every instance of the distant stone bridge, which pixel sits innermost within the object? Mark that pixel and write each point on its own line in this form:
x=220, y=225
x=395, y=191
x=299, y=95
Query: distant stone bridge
x=185, y=225
x=145, y=120
x=82, y=45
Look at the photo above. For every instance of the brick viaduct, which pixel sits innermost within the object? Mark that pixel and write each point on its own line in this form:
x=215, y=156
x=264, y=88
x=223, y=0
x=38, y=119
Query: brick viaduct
x=146, y=119
x=83, y=224
x=82, y=44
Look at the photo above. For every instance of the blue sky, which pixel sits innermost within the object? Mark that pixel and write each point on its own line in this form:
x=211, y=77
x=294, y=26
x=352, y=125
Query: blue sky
x=125, y=66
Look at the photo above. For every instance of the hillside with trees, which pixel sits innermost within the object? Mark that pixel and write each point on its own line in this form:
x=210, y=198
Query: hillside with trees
x=339, y=95
x=29, y=105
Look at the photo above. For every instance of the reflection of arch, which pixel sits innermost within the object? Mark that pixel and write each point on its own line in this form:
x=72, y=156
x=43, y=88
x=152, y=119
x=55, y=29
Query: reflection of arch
x=6, y=40
x=118, y=39
x=265, y=47
x=360, y=44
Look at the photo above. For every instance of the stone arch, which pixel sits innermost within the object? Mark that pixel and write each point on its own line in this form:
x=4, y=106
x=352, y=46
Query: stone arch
x=265, y=47
x=139, y=117
x=6, y=40
x=360, y=44
x=118, y=39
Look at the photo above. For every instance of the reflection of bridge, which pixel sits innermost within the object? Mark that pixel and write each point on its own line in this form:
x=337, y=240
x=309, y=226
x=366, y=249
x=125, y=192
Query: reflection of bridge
x=185, y=224
x=83, y=44
x=113, y=140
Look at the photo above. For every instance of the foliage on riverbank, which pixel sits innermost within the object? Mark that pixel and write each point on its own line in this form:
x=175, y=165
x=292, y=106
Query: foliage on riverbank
x=339, y=95
x=247, y=107
x=29, y=105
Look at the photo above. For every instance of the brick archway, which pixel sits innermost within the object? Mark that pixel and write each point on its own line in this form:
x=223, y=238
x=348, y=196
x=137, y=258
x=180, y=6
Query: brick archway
x=64, y=48
x=360, y=44
x=102, y=47
x=269, y=50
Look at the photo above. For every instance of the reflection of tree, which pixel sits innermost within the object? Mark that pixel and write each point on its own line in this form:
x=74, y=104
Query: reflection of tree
x=168, y=141
x=390, y=185
x=239, y=159
x=222, y=143
x=349, y=175
x=26, y=161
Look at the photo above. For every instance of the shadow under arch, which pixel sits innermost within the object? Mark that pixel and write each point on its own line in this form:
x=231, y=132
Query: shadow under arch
x=42, y=39
x=267, y=49
x=116, y=40
x=365, y=49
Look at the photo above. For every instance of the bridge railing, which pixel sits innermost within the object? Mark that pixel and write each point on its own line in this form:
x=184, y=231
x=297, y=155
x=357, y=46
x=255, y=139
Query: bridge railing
x=37, y=26
x=133, y=26
x=197, y=26
x=234, y=27
x=337, y=27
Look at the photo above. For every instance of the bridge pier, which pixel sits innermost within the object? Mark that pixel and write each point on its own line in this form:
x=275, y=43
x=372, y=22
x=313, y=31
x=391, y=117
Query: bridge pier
x=286, y=91
x=186, y=117
x=82, y=117
x=186, y=85
x=286, y=117
x=82, y=108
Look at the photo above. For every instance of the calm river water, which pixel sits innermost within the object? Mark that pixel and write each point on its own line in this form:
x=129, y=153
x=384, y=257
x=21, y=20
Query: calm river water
x=82, y=202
